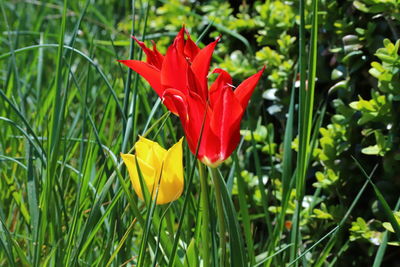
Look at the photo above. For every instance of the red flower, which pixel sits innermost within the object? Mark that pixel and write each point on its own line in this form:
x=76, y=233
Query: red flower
x=180, y=79
x=170, y=71
x=221, y=111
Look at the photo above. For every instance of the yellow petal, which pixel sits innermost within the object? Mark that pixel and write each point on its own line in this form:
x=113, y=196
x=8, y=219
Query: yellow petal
x=152, y=160
x=172, y=182
x=150, y=152
x=148, y=173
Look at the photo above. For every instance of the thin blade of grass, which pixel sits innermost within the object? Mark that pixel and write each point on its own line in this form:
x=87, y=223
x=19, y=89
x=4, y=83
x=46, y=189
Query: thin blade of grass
x=244, y=210
x=382, y=247
x=128, y=82
x=273, y=255
x=237, y=250
x=306, y=105
x=33, y=207
x=386, y=208
x=6, y=242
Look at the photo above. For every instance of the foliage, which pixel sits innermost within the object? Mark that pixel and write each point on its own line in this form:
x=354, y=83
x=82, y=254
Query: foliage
x=66, y=113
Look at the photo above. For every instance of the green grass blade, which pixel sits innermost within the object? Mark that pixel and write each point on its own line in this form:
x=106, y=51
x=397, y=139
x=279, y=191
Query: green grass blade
x=237, y=250
x=273, y=255
x=135, y=103
x=244, y=211
x=131, y=55
x=381, y=250
x=386, y=208
x=264, y=196
x=382, y=247
x=33, y=207
x=6, y=241
x=306, y=105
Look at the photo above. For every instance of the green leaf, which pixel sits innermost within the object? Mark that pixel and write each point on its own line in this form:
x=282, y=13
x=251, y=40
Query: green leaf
x=371, y=150
x=192, y=255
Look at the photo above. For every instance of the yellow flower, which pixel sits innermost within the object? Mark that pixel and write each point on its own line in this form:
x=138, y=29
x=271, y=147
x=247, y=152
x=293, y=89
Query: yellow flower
x=152, y=159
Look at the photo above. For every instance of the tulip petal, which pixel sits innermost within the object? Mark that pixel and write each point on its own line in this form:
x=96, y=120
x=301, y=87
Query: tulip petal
x=209, y=150
x=152, y=76
x=173, y=159
x=191, y=49
x=179, y=41
x=192, y=109
x=194, y=85
x=201, y=63
x=179, y=101
x=148, y=72
x=148, y=173
x=244, y=91
x=188, y=121
x=163, y=179
x=225, y=122
x=172, y=182
x=154, y=57
x=160, y=57
x=223, y=80
x=174, y=69
x=182, y=106
x=150, y=151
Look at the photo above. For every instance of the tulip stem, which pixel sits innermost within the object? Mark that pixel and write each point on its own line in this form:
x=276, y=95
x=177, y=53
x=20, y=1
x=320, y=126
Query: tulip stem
x=206, y=216
x=221, y=216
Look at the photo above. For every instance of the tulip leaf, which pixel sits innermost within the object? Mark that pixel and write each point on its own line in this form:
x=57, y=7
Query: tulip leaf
x=238, y=258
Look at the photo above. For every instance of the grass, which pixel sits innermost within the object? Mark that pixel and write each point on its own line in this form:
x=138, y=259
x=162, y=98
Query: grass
x=67, y=110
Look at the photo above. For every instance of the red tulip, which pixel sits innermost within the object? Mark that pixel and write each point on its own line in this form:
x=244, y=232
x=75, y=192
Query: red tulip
x=180, y=79
x=171, y=70
x=221, y=112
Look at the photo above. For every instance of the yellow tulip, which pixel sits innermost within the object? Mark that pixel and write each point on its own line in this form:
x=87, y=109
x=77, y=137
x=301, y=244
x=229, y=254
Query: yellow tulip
x=152, y=160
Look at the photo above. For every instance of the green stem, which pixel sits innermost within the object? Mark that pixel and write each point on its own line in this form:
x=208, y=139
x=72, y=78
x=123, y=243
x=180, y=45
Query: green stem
x=221, y=216
x=206, y=216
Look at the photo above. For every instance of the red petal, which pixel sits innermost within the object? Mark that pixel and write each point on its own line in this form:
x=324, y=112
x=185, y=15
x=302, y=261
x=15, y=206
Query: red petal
x=148, y=72
x=157, y=54
x=192, y=109
x=179, y=41
x=201, y=63
x=225, y=122
x=152, y=76
x=191, y=49
x=244, y=91
x=153, y=56
x=177, y=99
x=210, y=142
x=194, y=85
x=180, y=102
x=223, y=80
x=174, y=70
